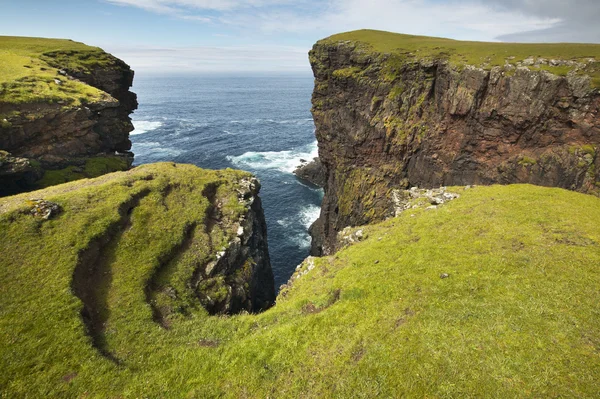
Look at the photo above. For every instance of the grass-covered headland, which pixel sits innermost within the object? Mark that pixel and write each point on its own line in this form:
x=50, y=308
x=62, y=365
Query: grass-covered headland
x=516, y=314
x=557, y=58
x=30, y=71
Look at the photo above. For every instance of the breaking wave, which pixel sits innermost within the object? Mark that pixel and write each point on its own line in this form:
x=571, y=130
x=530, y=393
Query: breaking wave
x=284, y=161
x=142, y=127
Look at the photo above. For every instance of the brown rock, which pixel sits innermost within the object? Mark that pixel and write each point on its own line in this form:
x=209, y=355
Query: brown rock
x=431, y=124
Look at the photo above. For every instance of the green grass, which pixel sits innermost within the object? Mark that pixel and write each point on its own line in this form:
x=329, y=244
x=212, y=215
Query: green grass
x=94, y=167
x=518, y=316
x=30, y=66
x=479, y=54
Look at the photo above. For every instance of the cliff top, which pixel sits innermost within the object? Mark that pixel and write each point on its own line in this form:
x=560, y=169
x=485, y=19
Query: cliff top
x=558, y=58
x=493, y=294
x=30, y=71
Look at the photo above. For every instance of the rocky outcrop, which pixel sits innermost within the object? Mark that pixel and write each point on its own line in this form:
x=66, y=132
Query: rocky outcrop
x=240, y=278
x=311, y=172
x=54, y=135
x=389, y=121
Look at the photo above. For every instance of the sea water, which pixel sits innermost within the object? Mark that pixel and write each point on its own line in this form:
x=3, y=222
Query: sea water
x=261, y=124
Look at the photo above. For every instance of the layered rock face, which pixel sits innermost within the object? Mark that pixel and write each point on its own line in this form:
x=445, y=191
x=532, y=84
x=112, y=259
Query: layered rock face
x=240, y=278
x=387, y=121
x=56, y=135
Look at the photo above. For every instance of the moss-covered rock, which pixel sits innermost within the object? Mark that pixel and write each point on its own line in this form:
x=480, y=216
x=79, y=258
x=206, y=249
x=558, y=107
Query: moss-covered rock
x=402, y=110
x=60, y=103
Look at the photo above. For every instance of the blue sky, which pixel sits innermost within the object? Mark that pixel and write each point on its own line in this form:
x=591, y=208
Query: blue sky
x=275, y=35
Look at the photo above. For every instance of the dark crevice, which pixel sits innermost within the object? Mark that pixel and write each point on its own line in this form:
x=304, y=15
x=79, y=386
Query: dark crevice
x=212, y=217
x=92, y=276
x=166, y=263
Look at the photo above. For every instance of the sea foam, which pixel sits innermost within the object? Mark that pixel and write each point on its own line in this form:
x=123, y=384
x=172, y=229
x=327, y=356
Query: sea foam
x=284, y=161
x=142, y=127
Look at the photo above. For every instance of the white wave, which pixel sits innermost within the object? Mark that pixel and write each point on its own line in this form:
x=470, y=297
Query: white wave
x=302, y=241
x=306, y=217
x=284, y=161
x=309, y=214
x=285, y=222
x=142, y=127
x=155, y=150
x=302, y=121
x=296, y=121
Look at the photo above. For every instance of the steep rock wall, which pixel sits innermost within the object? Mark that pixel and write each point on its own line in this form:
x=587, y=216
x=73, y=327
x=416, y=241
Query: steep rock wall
x=385, y=122
x=55, y=135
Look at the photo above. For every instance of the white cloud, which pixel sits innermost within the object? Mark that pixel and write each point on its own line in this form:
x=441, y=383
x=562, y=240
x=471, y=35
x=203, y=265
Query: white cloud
x=213, y=59
x=471, y=19
x=305, y=21
x=465, y=20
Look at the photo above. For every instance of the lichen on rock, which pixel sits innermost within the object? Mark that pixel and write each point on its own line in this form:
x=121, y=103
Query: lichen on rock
x=396, y=111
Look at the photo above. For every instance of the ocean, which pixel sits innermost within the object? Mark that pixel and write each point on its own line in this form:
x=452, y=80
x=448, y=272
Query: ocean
x=261, y=124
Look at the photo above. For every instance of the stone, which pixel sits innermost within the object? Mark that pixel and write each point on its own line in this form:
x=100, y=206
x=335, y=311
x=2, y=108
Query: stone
x=44, y=209
x=444, y=275
x=312, y=172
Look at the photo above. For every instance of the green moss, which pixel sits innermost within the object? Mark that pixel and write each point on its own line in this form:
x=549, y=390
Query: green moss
x=395, y=93
x=346, y=73
x=94, y=167
x=527, y=161
x=54, y=177
x=396, y=129
x=215, y=289
x=321, y=87
x=318, y=104
x=589, y=149
x=98, y=166
x=556, y=70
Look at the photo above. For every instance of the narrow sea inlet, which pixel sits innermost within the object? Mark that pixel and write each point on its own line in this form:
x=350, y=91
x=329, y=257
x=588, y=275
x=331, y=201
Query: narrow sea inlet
x=261, y=124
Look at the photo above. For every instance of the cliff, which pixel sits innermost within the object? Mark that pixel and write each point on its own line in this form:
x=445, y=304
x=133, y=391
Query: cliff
x=64, y=112
x=162, y=240
x=395, y=111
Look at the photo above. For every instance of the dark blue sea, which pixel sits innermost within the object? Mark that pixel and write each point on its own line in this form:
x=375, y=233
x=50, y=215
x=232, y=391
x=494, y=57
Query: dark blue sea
x=261, y=124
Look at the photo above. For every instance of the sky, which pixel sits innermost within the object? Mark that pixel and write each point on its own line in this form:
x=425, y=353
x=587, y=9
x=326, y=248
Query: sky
x=230, y=36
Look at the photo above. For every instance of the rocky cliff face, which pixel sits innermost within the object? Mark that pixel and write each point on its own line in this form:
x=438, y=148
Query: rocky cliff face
x=54, y=135
x=388, y=121
x=240, y=278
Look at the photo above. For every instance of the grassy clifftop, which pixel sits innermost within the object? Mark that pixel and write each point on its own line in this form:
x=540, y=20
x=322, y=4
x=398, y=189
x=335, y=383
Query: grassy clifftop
x=516, y=316
x=29, y=70
x=558, y=58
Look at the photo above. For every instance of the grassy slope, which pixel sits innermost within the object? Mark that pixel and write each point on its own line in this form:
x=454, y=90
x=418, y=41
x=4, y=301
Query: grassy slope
x=518, y=316
x=29, y=66
x=480, y=54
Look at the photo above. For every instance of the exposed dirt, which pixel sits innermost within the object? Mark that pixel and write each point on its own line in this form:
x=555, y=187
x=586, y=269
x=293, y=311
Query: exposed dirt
x=92, y=277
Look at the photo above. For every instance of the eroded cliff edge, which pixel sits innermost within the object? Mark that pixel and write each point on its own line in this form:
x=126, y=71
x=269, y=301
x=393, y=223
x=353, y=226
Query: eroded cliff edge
x=64, y=113
x=162, y=241
x=396, y=111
